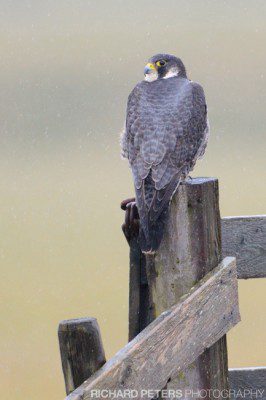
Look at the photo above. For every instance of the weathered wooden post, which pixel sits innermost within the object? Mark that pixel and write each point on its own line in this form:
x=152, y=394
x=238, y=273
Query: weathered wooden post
x=191, y=247
x=139, y=315
x=81, y=350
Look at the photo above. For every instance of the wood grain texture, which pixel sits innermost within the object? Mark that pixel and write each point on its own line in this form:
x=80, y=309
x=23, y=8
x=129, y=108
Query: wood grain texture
x=191, y=247
x=247, y=380
x=81, y=349
x=245, y=239
x=134, y=289
x=174, y=340
x=138, y=291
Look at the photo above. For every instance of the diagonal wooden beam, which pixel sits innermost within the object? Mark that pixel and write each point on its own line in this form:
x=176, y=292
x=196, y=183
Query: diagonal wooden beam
x=174, y=340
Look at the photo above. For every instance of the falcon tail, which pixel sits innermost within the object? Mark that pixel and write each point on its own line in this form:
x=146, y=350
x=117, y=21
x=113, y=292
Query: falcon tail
x=153, y=207
x=151, y=237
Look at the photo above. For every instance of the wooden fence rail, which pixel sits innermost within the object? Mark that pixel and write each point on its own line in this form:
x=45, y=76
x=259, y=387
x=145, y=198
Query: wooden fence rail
x=245, y=239
x=248, y=381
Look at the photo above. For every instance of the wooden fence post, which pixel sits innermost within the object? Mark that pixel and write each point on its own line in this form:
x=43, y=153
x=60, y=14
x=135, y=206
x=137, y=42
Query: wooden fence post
x=81, y=350
x=139, y=315
x=191, y=247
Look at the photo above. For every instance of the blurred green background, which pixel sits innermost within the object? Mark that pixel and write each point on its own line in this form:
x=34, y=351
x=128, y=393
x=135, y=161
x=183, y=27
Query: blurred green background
x=66, y=70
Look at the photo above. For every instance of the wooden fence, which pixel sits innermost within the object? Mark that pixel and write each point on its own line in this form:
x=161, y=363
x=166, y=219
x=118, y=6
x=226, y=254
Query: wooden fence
x=182, y=302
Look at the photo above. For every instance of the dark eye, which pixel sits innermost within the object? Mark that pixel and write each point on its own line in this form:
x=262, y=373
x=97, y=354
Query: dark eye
x=161, y=63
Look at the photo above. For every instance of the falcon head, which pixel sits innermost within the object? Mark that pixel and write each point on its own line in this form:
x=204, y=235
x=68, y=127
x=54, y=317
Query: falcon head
x=163, y=66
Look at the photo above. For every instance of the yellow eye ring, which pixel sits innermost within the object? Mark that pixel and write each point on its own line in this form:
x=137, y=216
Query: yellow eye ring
x=161, y=63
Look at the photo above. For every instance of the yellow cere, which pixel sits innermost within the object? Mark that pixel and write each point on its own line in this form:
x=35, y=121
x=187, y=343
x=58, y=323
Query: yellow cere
x=150, y=65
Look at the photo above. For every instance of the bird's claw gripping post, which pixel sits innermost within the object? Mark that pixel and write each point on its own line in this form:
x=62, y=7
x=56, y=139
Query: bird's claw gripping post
x=130, y=227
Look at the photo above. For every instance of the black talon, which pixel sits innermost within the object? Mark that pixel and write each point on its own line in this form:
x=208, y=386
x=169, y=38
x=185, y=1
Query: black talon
x=124, y=203
x=130, y=227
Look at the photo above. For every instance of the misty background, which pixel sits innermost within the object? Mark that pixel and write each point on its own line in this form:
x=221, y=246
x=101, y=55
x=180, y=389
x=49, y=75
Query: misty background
x=66, y=69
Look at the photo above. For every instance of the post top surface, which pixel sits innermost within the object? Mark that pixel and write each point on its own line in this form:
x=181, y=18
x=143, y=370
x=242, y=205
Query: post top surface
x=73, y=323
x=199, y=180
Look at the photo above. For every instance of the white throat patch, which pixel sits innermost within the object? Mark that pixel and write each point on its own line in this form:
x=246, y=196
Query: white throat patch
x=172, y=72
x=153, y=76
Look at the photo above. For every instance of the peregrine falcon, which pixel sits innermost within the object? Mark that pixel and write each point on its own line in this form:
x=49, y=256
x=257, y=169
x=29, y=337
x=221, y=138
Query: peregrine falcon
x=166, y=131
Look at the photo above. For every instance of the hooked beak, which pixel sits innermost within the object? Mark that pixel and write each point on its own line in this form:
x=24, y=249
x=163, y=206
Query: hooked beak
x=149, y=68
